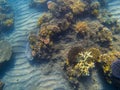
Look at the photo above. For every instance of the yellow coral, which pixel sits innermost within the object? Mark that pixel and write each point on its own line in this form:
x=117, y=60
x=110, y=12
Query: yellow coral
x=95, y=52
x=81, y=27
x=84, y=63
x=83, y=68
x=107, y=60
x=77, y=7
x=95, y=12
x=8, y=22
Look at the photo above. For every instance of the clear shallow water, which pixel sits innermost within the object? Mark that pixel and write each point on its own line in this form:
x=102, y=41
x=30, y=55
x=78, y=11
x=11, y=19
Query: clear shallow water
x=21, y=75
x=114, y=8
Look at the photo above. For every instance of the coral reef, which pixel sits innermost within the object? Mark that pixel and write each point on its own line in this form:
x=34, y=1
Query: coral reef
x=107, y=60
x=84, y=64
x=6, y=16
x=60, y=32
x=80, y=63
x=77, y=6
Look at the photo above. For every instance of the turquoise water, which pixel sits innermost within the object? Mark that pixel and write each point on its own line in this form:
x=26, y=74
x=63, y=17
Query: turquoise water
x=22, y=74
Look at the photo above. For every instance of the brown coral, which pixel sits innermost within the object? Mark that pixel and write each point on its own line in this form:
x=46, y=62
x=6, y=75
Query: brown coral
x=44, y=18
x=105, y=37
x=95, y=52
x=81, y=27
x=77, y=7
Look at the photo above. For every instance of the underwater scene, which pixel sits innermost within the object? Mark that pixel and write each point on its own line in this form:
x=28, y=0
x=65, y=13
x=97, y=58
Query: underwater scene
x=59, y=44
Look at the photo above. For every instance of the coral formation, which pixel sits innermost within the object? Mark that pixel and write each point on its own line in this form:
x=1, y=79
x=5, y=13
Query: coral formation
x=81, y=27
x=8, y=23
x=107, y=59
x=6, y=16
x=84, y=63
x=44, y=18
x=105, y=37
x=77, y=6
x=5, y=51
x=95, y=8
x=80, y=63
x=63, y=26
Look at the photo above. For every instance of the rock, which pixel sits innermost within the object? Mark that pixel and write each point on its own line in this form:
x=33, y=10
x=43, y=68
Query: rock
x=1, y=85
x=116, y=69
x=5, y=51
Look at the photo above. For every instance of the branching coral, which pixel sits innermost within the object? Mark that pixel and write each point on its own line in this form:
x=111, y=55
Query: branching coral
x=84, y=63
x=83, y=67
x=95, y=52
